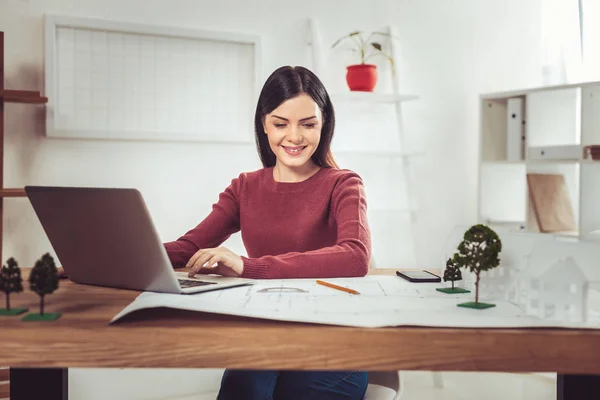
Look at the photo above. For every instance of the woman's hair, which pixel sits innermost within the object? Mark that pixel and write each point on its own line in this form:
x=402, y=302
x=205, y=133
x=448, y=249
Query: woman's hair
x=286, y=83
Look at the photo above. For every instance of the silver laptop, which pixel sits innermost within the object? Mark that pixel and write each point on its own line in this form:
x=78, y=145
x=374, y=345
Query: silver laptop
x=105, y=237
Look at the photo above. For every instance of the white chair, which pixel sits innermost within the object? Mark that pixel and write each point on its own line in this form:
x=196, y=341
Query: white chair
x=383, y=385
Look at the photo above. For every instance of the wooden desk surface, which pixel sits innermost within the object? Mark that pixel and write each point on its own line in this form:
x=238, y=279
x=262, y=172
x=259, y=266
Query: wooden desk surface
x=174, y=338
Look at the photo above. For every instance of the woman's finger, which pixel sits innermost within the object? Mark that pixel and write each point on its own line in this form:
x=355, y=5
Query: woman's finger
x=61, y=273
x=209, y=269
x=213, y=260
x=193, y=258
x=199, y=263
x=209, y=266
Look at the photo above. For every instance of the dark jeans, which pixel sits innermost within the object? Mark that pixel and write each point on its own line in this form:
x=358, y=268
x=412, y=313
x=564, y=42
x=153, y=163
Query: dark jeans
x=292, y=385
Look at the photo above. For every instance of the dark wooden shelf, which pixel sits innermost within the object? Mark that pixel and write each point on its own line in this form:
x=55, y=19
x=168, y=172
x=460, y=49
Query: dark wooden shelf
x=4, y=390
x=19, y=192
x=10, y=96
x=22, y=96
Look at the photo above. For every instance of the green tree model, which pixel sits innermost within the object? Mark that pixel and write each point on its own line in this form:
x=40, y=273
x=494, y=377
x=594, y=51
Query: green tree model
x=479, y=252
x=11, y=281
x=452, y=272
x=43, y=279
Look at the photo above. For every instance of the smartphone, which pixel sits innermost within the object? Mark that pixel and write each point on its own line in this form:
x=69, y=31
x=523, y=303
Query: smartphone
x=418, y=276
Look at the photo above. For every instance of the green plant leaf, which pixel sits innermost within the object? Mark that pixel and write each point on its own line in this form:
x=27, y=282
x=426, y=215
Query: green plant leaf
x=351, y=35
x=376, y=45
x=386, y=34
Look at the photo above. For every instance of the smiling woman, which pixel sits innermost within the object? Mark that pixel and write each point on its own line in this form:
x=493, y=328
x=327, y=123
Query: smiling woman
x=300, y=216
x=294, y=117
x=293, y=138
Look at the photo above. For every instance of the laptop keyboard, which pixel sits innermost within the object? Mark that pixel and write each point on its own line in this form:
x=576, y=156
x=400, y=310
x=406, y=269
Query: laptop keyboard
x=187, y=283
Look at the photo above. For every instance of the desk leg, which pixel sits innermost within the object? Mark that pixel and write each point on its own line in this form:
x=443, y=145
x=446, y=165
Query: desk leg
x=577, y=387
x=39, y=383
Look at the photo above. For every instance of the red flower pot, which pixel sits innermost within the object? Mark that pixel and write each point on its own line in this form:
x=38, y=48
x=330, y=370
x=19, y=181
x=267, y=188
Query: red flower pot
x=361, y=77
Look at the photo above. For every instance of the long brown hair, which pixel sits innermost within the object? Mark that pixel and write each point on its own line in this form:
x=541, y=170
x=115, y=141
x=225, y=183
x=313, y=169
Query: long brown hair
x=283, y=84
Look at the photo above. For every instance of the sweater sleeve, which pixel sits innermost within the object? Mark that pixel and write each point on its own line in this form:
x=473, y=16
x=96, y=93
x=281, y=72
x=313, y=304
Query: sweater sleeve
x=349, y=257
x=217, y=227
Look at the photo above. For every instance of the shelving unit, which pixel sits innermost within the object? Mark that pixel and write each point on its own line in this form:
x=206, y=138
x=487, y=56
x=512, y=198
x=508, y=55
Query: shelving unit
x=539, y=130
x=10, y=96
x=393, y=206
x=371, y=97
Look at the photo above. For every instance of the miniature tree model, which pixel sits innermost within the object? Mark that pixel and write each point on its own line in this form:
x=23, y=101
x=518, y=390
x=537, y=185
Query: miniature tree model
x=478, y=252
x=452, y=273
x=11, y=282
x=43, y=280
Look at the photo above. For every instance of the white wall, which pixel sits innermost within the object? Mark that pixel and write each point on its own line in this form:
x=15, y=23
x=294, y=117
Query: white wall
x=451, y=52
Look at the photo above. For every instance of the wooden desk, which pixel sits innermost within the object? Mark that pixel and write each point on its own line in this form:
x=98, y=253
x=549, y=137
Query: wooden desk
x=174, y=338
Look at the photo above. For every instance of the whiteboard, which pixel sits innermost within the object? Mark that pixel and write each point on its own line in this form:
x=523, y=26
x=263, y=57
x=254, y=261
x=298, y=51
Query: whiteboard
x=114, y=80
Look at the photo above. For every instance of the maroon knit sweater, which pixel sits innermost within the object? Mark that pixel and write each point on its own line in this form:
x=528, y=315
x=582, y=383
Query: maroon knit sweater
x=316, y=228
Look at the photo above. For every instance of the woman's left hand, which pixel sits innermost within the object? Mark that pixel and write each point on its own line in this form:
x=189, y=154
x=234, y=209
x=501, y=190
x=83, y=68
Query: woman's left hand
x=219, y=260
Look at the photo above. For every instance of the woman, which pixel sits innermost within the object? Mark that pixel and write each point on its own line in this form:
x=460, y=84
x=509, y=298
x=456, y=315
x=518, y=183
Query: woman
x=300, y=217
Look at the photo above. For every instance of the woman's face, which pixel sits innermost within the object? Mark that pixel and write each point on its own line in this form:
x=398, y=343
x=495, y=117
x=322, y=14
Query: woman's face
x=294, y=130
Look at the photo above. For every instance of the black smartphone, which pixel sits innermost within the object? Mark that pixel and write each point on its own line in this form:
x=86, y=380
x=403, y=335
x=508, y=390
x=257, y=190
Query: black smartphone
x=418, y=276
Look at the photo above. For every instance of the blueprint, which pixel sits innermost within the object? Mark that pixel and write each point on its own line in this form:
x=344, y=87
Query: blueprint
x=383, y=301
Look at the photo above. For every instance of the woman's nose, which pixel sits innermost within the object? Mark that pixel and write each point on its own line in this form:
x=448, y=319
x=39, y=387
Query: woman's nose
x=294, y=135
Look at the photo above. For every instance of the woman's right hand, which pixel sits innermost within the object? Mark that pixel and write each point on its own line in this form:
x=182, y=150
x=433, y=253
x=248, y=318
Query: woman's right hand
x=218, y=260
x=61, y=273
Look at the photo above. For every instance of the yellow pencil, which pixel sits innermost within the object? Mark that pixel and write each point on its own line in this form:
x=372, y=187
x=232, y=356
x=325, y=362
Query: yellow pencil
x=331, y=285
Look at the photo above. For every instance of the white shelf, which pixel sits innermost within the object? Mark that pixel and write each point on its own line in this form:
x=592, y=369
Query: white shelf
x=393, y=210
x=533, y=162
x=371, y=97
x=503, y=162
x=569, y=153
x=498, y=222
x=568, y=234
x=553, y=155
x=375, y=153
x=559, y=161
x=524, y=92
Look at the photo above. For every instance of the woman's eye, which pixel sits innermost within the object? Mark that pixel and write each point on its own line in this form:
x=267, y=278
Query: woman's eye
x=309, y=126
x=279, y=125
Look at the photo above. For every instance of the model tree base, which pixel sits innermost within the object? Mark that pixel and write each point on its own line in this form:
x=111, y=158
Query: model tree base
x=477, y=306
x=456, y=290
x=39, y=317
x=12, y=311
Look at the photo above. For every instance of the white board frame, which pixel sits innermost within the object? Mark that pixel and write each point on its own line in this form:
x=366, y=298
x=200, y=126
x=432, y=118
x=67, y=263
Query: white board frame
x=54, y=22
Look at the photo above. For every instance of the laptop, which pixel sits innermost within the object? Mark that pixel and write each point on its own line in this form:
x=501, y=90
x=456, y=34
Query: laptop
x=106, y=237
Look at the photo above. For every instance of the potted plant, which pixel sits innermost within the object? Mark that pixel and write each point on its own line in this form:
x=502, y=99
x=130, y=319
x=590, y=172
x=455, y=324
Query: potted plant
x=363, y=76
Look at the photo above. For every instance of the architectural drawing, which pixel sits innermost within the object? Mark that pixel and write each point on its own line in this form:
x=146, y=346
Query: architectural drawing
x=384, y=301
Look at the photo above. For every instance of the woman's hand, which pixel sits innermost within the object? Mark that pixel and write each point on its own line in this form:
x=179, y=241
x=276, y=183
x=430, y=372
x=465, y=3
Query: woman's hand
x=60, y=272
x=219, y=260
